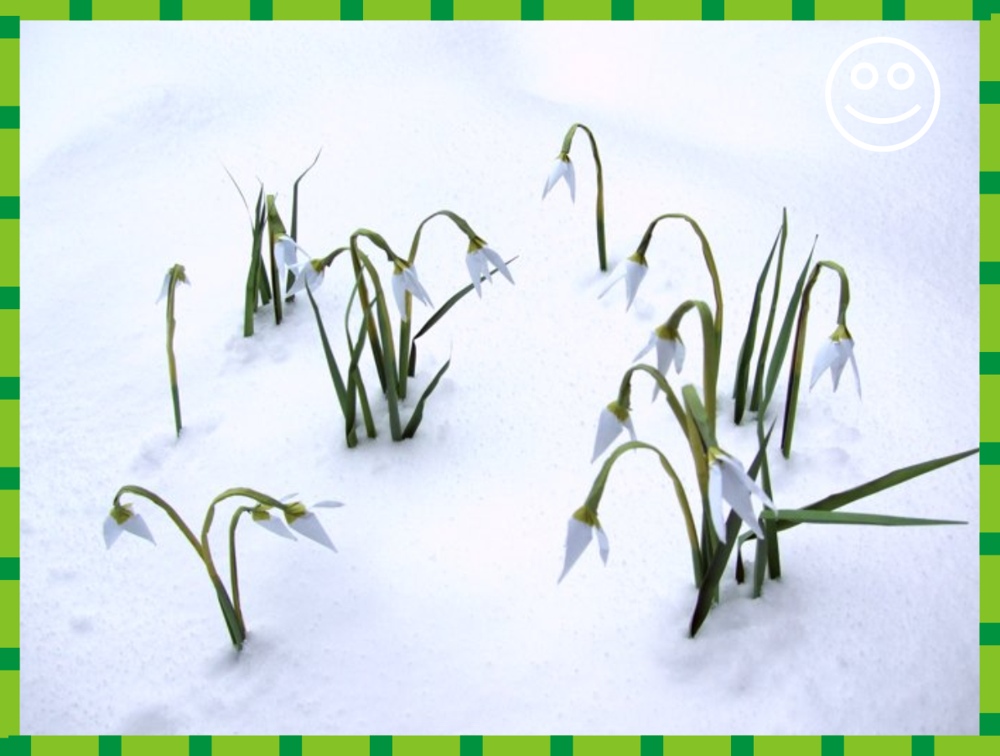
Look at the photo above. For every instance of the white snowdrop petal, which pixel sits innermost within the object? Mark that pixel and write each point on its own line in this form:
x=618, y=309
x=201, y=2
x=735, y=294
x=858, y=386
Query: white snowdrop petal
x=399, y=291
x=308, y=525
x=112, y=531
x=608, y=429
x=826, y=356
x=570, y=176
x=137, y=526
x=472, y=262
x=603, y=544
x=494, y=257
x=578, y=536
x=165, y=288
x=276, y=526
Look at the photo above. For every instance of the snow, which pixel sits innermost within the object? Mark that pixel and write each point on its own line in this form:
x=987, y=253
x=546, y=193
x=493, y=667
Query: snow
x=440, y=611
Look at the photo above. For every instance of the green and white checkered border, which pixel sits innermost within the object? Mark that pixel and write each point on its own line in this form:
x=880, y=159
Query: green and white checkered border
x=12, y=12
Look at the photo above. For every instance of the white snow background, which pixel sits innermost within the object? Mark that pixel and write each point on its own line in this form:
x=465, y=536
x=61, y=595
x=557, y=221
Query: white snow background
x=440, y=613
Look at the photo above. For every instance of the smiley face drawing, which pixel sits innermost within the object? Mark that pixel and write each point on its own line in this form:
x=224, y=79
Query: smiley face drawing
x=882, y=94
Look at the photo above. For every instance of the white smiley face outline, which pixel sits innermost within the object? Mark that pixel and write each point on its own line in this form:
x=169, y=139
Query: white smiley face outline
x=871, y=83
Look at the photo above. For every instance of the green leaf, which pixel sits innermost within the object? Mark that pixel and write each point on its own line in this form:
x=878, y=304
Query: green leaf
x=759, y=565
x=796, y=516
x=785, y=334
x=233, y=625
x=889, y=480
x=708, y=587
x=758, y=381
x=452, y=301
x=746, y=349
x=331, y=362
x=418, y=411
x=773, y=556
x=355, y=384
x=295, y=197
x=697, y=411
x=253, y=274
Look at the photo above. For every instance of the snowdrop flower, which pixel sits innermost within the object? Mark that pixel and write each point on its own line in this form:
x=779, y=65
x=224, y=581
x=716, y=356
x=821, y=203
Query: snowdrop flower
x=579, y=534
x=404, y=279
x=263, y=518
x=561, y=169
x=834, y=356
x=727, y=480
x=123, y=519
x=669, y=350
x=311, y=273
x=287, y=250
x=305, y=523
x=181, y=276
x=633, y=271
x=478, y=261
x=614, y=418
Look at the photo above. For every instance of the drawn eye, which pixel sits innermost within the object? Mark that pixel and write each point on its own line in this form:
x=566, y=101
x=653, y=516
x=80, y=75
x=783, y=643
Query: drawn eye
x=856, y=80
x=907, y=83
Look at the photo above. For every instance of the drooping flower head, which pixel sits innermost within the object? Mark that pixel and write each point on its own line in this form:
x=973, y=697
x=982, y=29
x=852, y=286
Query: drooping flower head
x=633, y=270
x=123, y=519
x=308, y=273
x=561, y=169
x=404, y=279
x=834, y=355
x=176, y=272
x=579, y=534
x=669, y=351
x=613, y=420
x=305, y=523
x=478, y=261
x=728, y=481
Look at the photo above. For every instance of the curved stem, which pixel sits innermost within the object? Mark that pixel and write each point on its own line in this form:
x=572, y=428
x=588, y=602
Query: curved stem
x=171, y=512
x=234, y=582
x=625, y=390
x=237, y=630
x=387, y=354
x=798, y=354
x=706, y=250
x=171, y=360
x=404, y=328
x=366, y=300
x=567, y=143
x=710, y=342
x=597, y=491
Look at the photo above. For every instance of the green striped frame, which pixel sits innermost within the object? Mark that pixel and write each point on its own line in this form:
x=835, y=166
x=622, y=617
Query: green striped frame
x=12, y=743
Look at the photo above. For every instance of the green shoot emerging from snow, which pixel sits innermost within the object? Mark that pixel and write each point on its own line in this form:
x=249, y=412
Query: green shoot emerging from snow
x=721, y=477
x=297, y=517
x=563, y=169
x=174, y=276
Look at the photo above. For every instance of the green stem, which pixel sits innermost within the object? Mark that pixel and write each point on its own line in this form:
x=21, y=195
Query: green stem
x=710, y=344
x=171, y=361
x=405, y=328
x=233, y=573
x=567, y=142
x=597, y=491
x=373, y=338
x=237, y=630
x=798, y=353
x=387, y=354
x=275, y=229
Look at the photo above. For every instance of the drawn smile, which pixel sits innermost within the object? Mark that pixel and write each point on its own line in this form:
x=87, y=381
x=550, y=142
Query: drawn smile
x=891, y=119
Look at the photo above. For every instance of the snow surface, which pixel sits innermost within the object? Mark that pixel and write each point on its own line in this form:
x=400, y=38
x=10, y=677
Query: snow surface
x=441, y=612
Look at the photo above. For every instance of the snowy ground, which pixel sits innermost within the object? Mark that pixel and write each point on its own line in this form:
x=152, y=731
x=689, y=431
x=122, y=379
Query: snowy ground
x=441, y=613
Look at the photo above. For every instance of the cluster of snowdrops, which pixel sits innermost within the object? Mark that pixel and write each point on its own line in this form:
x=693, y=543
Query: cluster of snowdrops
x=280, y=269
